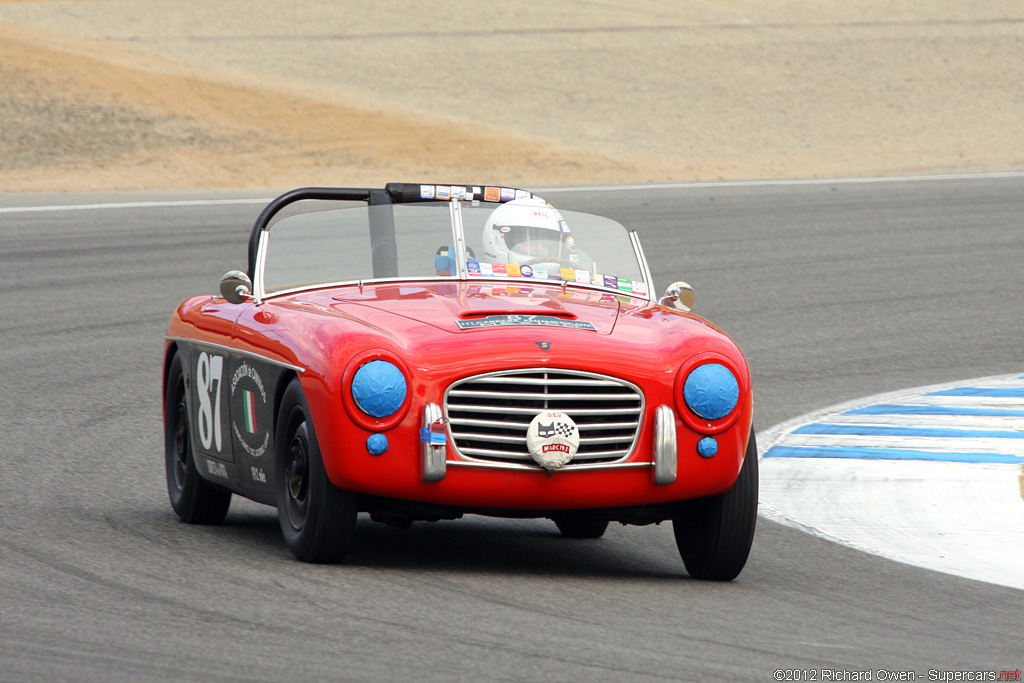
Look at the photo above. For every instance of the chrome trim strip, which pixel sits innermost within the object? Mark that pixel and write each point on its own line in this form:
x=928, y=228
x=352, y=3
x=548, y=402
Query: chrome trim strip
x=609, y=425
x=487, y=452
x=468, y=453
x=666, y=453
x=461, y=269
x=529, y=411
x=488, y=423
x=259, y=284
x=645, y=270
x=537, y=468
x=249, y=354
x=600, y=439
x=493, y=437
x=543, y=397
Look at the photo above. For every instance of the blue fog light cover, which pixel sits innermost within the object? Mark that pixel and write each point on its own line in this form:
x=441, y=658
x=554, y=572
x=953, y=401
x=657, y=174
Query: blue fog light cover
x=379, y=388
x=707, y=447
x=711, y=391
x=377, y=444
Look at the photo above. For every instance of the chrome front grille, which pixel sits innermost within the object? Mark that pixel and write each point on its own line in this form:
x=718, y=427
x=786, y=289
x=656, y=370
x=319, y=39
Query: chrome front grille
x=488, y=415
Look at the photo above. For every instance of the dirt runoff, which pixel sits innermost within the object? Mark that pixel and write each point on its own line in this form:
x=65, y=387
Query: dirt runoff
x=75, y=123
x=100, y=95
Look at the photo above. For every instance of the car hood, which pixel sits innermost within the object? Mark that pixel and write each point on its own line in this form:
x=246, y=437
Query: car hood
x=469, y=308
x=321, y=329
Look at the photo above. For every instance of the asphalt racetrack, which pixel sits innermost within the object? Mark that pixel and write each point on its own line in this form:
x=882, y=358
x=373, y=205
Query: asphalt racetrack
x=835, y=291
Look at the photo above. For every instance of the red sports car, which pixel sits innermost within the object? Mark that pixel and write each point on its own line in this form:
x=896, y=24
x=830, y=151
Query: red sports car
x=420, y=352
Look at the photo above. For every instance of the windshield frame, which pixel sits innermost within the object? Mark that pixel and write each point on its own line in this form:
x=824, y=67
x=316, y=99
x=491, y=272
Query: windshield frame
x=401, y=193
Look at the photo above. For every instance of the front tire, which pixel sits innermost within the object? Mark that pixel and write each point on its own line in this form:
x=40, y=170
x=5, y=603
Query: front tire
x=195, y=500
x=318, y=520
x=714, y=534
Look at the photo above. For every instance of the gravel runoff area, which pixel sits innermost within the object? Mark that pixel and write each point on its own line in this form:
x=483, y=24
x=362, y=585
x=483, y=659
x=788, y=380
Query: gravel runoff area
x=141, y=94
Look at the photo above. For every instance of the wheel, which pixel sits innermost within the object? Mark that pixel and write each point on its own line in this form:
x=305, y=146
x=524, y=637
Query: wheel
x=576, y=527
x=193, y=498
x=318, y=520
x=714, y=534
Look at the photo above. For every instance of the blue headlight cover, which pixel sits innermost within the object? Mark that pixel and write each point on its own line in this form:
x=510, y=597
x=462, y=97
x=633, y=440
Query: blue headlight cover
x=711, y=391
x=379, y=388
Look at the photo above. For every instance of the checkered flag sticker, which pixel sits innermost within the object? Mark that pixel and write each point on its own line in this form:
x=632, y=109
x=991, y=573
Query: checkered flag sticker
x=565, y=430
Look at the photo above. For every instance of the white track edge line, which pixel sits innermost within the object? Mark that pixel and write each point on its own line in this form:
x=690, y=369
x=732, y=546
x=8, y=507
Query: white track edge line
x=695, y=185
x=133, y=205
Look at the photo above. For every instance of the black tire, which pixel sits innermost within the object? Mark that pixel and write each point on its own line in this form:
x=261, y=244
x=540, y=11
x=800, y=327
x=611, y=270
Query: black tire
x=318, y=520
x=576, y=527
x=194, y=499
x=714, y=534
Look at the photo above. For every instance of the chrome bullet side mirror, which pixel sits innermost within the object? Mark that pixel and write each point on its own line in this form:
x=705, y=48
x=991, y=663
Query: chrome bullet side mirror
x=679, y=295
x=236, y=286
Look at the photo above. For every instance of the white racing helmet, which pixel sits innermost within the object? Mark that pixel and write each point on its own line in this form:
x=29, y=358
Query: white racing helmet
x=526, y=229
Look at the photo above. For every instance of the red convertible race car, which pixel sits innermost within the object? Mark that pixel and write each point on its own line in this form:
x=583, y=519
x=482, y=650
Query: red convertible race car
x=420, y=352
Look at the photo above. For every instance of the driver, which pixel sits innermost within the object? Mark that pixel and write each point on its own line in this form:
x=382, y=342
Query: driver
x=527, y=230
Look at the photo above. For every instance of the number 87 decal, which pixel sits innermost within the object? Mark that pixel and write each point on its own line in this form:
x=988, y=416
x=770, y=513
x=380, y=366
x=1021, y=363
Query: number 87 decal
x=209, y=370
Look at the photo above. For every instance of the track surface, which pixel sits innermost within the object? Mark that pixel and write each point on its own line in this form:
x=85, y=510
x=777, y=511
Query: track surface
x=834, y=291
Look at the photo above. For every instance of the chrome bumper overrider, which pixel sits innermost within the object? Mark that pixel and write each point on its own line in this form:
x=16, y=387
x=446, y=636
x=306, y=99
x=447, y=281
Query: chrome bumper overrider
x=433, y=442
x=665, y=452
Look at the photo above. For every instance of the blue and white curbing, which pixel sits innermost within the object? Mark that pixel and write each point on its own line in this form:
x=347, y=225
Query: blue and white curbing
x=929, y=476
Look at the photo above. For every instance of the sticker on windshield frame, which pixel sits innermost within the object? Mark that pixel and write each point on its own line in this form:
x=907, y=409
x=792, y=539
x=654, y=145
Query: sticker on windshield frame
x=542, y=320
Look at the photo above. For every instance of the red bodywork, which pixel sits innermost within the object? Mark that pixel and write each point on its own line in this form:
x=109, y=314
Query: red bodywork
x=414, y=324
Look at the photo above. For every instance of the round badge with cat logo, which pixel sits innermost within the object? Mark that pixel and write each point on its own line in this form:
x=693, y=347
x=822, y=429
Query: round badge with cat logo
x=552, y=439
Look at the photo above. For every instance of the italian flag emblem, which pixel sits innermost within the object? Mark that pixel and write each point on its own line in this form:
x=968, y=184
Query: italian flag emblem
x=249, y=408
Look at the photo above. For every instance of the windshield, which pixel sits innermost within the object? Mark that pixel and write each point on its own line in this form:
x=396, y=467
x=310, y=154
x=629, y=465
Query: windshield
x=316, y=242
x=544, y=244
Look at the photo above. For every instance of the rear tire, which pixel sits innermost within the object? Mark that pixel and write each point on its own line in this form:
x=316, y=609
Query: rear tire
x=195, y=500
x=714, y=534
x=581, y=528
x=318, y=520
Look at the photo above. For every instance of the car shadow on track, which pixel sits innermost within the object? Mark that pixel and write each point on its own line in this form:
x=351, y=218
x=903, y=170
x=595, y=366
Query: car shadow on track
x=519, y=546
x=480, y=544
